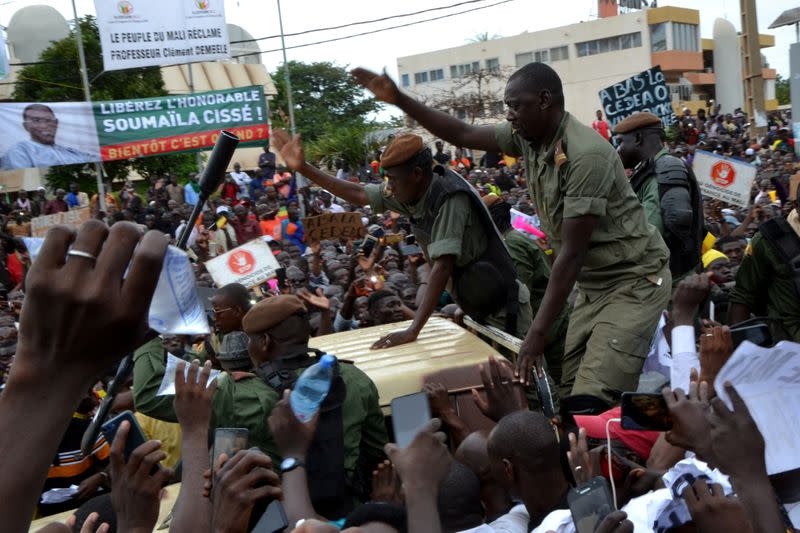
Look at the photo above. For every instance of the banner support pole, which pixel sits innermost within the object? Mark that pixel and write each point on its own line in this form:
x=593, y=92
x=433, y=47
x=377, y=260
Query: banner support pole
x=197, y=158
x=101, y=195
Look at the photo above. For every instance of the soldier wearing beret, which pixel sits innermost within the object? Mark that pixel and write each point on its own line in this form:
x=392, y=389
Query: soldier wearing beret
x=278, y=332
x=594, y=222
x=667, y=189
x=451, y=224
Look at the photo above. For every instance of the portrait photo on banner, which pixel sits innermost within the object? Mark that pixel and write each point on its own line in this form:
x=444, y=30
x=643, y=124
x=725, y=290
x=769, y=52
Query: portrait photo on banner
x=47, y=134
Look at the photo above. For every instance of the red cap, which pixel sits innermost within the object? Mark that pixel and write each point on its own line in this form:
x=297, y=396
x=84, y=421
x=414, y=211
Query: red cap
x=640, y=442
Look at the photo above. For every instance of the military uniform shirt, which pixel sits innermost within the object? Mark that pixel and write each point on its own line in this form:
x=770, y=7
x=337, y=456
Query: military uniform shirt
x=248, y=402
x=764, y=284
x=579, y=174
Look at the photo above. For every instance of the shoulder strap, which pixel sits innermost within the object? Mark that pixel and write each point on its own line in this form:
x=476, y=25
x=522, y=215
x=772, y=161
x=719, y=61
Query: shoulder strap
x=786, y=243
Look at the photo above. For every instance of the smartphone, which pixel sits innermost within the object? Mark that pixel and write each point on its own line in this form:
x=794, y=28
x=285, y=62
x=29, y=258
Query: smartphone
x=368, y=245
x=136, y=436
x=410, y=239
x=228, y=441
x=410, y=249
x=589, y=504
x=280, y=274
x=545, y=397
x=409, y=414
x=758, y=334
x=273, y=520
x=645, y=411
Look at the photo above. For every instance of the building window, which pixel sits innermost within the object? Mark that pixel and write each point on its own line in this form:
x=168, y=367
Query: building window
x=658, y=37
x=437, y=74
x=542, y=56
x=405, y=80
x=684, y=37
x=609, y=44
x=461, y=114
x=524, y=58
x=456, y=71
x=421, y=77
x=559, y=53
x=493, y=64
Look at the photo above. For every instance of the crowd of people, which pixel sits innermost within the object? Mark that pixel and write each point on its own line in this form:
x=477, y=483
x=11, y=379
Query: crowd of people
x=582, y=242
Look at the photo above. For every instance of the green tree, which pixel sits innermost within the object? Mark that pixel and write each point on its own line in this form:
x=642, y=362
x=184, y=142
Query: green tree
x=325, y=98
x=482, y=37
x=782, y=90
x=351, y=144
x=57, y=78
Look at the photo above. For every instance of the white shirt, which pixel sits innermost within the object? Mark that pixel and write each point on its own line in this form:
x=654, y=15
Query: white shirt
x=514, y=521
x=336, y=208
x=29, y=154
x=242, y=180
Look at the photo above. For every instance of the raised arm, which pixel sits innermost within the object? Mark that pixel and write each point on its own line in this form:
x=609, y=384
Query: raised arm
x=441, y=124
x=291, y=150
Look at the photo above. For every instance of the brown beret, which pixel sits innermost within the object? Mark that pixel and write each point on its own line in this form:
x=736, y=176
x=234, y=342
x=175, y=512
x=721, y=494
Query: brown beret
x=490, y=199
x=270, y=312
x=401, y=149
x=638, y=121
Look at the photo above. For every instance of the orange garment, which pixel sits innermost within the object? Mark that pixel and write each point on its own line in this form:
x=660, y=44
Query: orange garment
x=271, y=227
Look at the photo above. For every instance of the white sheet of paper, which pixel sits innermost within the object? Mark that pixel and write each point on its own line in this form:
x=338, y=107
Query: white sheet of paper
x=59, y=495
x=768, y=380
x=167, y=386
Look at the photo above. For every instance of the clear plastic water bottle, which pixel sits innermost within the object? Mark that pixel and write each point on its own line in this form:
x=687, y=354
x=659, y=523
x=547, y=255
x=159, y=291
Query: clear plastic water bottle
x=311, y=388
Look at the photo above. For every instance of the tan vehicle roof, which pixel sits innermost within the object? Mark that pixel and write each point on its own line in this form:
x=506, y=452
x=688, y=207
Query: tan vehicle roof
x=398, y=371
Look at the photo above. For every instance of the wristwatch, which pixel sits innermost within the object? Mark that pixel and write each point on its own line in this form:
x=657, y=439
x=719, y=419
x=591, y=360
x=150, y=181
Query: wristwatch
x=290, y=463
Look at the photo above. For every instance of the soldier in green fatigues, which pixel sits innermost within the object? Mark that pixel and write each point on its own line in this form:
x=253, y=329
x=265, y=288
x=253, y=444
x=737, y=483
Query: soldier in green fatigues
x=766, y=284
x=533, y=269
x=279, y=331
x=594, y=222
x=450, y=223
x=667, y=189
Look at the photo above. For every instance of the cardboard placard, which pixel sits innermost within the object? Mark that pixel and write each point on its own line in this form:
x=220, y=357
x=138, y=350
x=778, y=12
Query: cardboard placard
x=723, y=178
x=73, y=218
x=646, y=91
x=334, y=226
x=249, y=264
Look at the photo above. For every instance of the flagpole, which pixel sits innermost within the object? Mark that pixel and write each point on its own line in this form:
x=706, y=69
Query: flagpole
x=101, y=196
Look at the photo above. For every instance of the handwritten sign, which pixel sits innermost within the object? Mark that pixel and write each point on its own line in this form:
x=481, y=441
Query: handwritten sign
x=794, y=185
x=249, y=264
x=74, y=218
x=334, y=226
x=646, y=91
x=724, y=179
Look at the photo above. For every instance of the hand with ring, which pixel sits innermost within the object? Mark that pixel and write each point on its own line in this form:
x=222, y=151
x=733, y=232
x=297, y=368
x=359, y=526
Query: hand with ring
x=396, y=338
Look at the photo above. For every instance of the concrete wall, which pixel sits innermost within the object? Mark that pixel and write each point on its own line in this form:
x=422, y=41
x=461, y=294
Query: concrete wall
x=582, y=77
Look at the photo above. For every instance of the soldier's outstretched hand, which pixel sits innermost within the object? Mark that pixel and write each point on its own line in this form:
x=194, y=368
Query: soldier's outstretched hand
x=381, y=85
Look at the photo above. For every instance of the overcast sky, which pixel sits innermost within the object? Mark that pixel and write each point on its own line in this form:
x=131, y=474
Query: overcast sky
x=380, y=50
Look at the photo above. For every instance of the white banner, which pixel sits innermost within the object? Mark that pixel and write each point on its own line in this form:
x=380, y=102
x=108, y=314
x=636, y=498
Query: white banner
x=147, y=33
x=724, y=179
x=249, y=264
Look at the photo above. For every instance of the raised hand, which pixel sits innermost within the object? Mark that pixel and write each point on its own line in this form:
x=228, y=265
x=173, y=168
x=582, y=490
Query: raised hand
x=712, y=511
x=690, y=414
x=691, y=292
x=291, y=149
x=192, y=397
x=424, y=463
x=314, y=300
x=578, y=457
x=136, y=486
x=386, y=485
x=716, y=347
x=292, y=437
x=381, y=85
x=737, y=443
x=503, y=394
x=240, y=482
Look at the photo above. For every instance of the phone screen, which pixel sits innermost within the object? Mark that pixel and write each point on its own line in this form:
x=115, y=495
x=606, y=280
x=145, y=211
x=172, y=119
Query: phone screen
x=758, y=334
x=273, y=520
x=545, y=397
x=136, y=436
x=641, y=411
x=409, y=414
x=228, y=441
x=589, y=504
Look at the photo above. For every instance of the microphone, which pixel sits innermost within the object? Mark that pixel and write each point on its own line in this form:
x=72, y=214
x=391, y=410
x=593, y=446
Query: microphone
x=213, y=175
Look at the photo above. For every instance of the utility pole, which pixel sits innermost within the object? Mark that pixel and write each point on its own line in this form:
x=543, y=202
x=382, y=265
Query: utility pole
x=286, y=75
x=753, y=78
x=198, y=159
x=101, y=195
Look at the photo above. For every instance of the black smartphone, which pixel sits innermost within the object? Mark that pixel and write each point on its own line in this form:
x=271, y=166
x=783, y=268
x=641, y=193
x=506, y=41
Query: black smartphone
x=280, y=274
x=758, y=334
x=368, y=245
x=228, y=441
x=645, y=411
x=273, y=520
x=410, y=249
x=136, y=436
x=410, y=239
x=589, y=504
x=409, y=414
